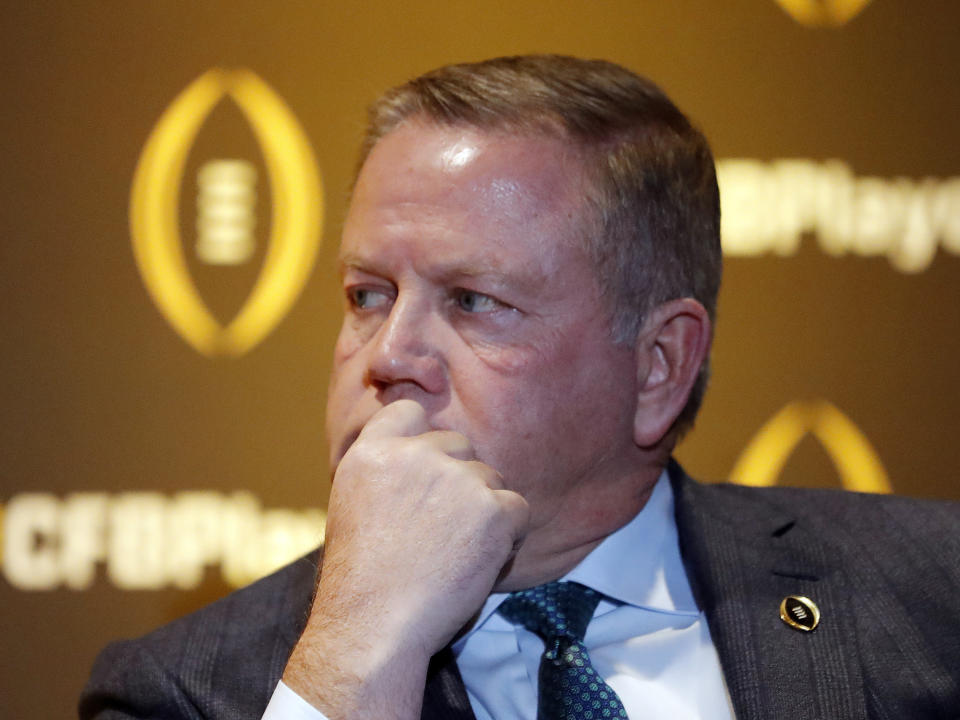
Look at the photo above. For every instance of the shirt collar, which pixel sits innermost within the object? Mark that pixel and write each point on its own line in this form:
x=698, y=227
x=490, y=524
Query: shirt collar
x=637, y=565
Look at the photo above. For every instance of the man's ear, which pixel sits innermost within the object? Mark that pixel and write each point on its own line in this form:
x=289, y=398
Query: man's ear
x=671, y=347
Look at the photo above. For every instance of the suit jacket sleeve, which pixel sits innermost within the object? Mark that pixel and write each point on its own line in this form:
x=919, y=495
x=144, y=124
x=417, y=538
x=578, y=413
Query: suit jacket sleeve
x=222, y=662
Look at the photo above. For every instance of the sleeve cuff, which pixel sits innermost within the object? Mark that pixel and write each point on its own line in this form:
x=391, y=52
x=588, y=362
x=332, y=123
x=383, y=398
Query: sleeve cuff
x=285, y=704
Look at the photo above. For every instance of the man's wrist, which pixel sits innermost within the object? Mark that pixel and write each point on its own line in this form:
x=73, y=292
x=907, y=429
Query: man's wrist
x=362, y=678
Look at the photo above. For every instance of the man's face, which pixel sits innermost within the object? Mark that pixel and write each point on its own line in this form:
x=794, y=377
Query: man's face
x=468, y=291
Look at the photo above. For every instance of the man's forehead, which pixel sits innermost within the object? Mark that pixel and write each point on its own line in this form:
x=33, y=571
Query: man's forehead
x=485, y=203
x=507, y=173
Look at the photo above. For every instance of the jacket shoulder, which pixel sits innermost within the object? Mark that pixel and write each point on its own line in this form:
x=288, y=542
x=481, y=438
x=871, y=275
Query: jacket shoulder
x=222, y=661
x=884, y=570
x=881, y=516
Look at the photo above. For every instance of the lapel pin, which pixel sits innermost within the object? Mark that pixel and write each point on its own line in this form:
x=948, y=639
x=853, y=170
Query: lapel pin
x=800, y=612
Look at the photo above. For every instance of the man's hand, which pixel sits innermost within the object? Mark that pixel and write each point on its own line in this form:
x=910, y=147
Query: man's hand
x=418, y=530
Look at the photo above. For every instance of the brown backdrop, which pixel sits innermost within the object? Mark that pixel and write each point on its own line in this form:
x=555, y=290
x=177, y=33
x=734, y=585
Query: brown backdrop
x=100, y=394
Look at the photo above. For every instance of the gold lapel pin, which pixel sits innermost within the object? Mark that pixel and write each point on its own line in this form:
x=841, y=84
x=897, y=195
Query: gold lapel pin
x=800, y=613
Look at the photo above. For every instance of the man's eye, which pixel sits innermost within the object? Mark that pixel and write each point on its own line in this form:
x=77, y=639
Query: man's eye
x=474, y=302
x=365, y=298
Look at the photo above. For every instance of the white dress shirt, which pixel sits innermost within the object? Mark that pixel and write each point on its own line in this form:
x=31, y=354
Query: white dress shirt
x=648, y=640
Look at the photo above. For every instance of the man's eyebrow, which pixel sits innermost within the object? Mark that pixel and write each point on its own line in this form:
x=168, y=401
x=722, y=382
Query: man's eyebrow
x=476, y=270
x=354, y=261
x=468, y=268
x=349, y=260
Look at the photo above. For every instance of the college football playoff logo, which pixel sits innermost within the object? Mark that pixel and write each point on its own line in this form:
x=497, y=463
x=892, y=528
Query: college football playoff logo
x=855, y=459
x=823, y=12
x=224, y=213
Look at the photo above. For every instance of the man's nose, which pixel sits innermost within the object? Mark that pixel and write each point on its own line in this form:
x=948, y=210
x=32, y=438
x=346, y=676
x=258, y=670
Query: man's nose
x=406, y=349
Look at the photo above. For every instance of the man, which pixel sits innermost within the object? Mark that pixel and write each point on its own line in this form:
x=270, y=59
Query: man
x=530, y=265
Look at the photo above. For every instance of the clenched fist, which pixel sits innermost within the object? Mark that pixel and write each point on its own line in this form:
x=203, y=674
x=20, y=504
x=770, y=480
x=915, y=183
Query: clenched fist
x=418, y=530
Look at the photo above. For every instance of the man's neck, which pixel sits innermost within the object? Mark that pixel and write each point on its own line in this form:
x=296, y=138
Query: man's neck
x=553, y=550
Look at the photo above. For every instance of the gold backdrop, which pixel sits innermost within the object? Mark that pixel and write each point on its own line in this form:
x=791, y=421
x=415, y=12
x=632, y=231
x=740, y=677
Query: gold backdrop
x=163, y=373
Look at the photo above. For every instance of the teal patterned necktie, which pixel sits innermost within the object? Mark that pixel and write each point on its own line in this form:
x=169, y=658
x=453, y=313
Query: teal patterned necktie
x=570, y=689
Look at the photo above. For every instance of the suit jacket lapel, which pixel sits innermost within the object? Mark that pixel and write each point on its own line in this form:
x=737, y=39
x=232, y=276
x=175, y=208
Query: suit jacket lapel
x=744, y=553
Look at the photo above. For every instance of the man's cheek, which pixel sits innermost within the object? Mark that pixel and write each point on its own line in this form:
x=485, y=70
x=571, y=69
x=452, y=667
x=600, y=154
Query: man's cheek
x=347, y=415
x=348, y=344
x=506, y=360
x=337, y=418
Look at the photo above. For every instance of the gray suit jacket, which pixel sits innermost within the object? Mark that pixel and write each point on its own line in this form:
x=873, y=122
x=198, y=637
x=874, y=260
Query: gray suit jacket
x=884, y=571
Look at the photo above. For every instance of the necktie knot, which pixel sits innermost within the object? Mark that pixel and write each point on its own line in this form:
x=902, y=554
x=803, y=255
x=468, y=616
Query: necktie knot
x=554, y=610
x=569, y=688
